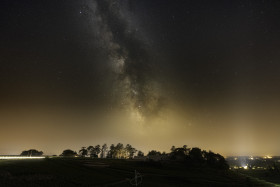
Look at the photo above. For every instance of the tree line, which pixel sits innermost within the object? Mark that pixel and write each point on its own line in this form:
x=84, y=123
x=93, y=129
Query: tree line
x=119, y=151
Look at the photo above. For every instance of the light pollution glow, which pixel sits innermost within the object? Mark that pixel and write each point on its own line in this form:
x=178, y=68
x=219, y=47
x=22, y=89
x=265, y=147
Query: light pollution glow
x=146, y=78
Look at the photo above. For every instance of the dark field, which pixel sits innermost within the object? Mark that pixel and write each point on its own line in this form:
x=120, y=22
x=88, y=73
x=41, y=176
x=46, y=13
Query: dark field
x=263, y=174
x=106, y=172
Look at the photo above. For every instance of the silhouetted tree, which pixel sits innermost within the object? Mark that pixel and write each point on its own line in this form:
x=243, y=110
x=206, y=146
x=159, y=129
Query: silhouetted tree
x=89, y=150
x=179, y=153
x=129, y=151
x=68, y=152
x=221, y=162
x=94, y=151
x=196, y=154
x=104, y=150
x=83, y=152
x=172, y=148
x=119, y=151
x=31, y=152
x=210, y=157
x=140, y=153
x=153, y=153
x=111, y=152
x=97, y=150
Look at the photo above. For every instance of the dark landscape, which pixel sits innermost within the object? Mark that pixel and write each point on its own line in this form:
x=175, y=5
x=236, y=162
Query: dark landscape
x=108, y=172
x=181, y=167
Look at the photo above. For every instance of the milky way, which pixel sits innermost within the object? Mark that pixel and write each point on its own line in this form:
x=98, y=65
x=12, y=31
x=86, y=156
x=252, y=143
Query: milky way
x=134, y=88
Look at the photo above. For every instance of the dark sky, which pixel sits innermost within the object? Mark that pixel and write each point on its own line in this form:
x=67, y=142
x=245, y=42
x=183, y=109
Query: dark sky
x=168, y=72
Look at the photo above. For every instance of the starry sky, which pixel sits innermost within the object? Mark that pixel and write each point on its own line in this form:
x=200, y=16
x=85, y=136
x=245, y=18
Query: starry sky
x=150, y=73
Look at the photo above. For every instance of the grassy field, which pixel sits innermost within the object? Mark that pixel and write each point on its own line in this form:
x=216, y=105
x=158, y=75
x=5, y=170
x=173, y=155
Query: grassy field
x=106, y=172
x=262, y=174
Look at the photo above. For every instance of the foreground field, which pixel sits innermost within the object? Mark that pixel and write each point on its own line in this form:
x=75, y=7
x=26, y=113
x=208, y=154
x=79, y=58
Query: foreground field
x=105, y=172
x=262, y=174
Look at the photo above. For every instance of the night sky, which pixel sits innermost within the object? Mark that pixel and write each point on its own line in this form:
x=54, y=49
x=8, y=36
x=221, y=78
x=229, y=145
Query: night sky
x=151, y=73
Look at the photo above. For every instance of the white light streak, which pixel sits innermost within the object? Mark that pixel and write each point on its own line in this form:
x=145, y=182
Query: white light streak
x=20, y=157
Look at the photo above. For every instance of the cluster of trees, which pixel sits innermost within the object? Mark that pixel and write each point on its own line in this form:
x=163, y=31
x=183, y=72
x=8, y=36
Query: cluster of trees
x=31, y=152
x=114, y=151
x=69, y=152
x=121, y=151
x=94, y=151
x=193, y=155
